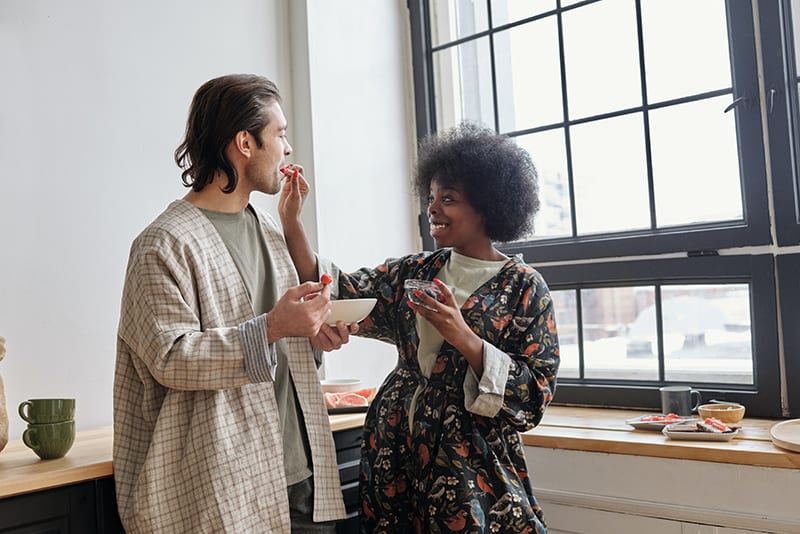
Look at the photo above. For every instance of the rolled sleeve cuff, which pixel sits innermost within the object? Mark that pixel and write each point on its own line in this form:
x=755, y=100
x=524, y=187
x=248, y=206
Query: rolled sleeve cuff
x=260, y=358
x=485, y=396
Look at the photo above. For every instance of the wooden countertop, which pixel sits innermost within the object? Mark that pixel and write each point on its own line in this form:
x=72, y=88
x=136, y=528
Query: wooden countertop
x=583, y=429
x=346, y=421
x=605, y=430
x=21, y=471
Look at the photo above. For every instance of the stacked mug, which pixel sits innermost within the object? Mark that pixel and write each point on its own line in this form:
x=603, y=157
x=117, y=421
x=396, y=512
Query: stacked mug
x=51, y=426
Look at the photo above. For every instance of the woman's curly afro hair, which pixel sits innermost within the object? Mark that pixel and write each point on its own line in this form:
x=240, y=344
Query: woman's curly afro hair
x=497, y=176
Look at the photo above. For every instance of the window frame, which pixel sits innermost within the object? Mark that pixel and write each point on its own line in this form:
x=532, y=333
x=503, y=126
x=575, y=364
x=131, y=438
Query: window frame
x=755, y=270
x=780, y=87
x=706, y=253
x=788, y=269
x=754, y=230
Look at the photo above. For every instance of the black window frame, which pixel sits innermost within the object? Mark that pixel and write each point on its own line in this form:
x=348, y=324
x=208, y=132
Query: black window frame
x=752, y=231
x=780, y=86
x=788, y=269
x=754, y=270
x=783, y=128
x=708, y=253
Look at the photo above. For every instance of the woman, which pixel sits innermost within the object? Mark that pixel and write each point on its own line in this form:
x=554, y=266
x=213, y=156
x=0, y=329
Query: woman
x=441, y=450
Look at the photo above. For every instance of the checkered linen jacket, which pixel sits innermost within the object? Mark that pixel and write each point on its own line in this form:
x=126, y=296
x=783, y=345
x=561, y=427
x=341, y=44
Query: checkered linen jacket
x=197, y=441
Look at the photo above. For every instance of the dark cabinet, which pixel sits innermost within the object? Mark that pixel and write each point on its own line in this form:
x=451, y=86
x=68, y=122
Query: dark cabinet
x=87, y=507
x=348, y=456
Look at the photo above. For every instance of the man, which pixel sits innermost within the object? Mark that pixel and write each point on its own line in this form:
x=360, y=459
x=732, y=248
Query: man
x=219, y=419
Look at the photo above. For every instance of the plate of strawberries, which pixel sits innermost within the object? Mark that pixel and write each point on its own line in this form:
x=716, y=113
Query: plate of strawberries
x=658, y=421
x=708, y=429
x=354, y=401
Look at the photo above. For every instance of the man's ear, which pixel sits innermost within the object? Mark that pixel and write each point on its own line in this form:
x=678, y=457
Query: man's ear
x=242, y=143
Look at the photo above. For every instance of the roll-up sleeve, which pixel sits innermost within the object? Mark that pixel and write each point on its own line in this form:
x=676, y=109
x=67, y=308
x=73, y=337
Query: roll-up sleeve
x=484, y=396
x=161, y=323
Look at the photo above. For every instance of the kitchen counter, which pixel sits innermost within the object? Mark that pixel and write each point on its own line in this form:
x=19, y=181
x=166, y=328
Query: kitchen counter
x=581, y=429
x=21, y=471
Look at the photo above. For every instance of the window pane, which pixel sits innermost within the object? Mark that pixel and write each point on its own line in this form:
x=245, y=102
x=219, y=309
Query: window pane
x=610, y=175
x=505, y=11
x=695, y=159
x=610, y=348
x=454, y=19
x=707, y=333
x=463, y=84
x=528, y=74
x=602, y=58
x=564, y=303
x=641, y=330
x=548, y=151
x=697, y=60
x=796, y=34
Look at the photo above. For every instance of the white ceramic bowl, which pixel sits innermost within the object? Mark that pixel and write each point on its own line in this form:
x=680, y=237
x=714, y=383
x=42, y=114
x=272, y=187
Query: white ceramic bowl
x=350, y=310
x=340, y=385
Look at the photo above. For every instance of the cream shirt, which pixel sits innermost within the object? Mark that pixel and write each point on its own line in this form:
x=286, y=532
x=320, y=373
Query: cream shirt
x=463, y=275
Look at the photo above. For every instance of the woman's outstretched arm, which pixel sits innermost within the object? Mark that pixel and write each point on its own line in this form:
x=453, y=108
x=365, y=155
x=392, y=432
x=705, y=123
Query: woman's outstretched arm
x=290, y=203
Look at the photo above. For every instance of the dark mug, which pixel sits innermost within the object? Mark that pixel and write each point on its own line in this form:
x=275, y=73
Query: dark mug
x=678, y=400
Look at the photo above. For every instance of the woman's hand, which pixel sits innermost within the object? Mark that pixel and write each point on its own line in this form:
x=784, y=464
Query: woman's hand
x=445, y=316
x=293, y=193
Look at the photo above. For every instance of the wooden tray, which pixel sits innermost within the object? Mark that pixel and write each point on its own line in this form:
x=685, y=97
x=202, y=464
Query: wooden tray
x=786, y=435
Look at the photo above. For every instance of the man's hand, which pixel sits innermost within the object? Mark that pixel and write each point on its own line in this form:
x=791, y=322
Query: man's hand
x=332, y=338
x=300, y=312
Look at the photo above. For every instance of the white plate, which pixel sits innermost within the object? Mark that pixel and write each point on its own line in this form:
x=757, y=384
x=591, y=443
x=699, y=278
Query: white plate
x=350, y=310
x=700, y=436
x=639, y=424
x=786, y=434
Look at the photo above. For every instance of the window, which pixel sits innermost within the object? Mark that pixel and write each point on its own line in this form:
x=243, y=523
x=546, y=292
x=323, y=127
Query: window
x=644, y=118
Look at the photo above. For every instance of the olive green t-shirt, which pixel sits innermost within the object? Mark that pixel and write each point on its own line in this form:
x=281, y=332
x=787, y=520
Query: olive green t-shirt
x=242, y=235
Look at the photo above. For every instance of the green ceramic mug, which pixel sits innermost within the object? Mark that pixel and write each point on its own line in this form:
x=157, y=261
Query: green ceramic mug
x=50, y=440
x=42, y=411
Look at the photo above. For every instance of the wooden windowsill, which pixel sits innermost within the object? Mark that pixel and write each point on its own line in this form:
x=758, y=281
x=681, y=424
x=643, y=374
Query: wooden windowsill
x=605, y=430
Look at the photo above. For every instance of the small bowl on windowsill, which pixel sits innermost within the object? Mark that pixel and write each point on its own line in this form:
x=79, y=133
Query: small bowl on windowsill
x=730, y=413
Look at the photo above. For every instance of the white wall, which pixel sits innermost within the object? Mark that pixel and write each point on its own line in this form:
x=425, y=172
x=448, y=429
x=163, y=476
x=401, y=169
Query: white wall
x=363, y=97
x=92, y=105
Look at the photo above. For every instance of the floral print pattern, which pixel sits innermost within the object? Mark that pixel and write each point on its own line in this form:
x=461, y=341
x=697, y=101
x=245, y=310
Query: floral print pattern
x=454, y=471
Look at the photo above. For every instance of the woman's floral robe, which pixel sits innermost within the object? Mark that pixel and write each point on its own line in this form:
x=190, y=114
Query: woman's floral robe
x=455, y=471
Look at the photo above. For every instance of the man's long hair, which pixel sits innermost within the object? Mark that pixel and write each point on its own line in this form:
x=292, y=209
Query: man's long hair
x=220, y=109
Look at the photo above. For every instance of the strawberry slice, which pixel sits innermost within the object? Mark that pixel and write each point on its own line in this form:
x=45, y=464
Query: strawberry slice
x=716, y=423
